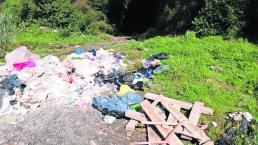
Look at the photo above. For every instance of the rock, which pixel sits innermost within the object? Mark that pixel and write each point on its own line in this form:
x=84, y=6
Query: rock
x=214, y=124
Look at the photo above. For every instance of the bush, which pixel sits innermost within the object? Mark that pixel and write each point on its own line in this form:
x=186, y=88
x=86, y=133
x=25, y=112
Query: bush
x=218, y=17
x=57, y=14
x=7, y=30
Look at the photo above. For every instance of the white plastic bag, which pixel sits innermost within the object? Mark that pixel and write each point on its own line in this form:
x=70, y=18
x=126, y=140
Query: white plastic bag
x=20, y=54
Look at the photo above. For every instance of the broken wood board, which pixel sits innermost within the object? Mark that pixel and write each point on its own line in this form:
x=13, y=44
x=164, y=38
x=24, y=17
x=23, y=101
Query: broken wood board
x=153, y=115
x=135, y=115
x=131, y=125
x=184, y=105
x=194, y=130
x=196, y=112
x=152, y=135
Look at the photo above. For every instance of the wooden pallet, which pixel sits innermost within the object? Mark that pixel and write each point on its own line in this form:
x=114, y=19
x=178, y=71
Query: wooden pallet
x=171, y=128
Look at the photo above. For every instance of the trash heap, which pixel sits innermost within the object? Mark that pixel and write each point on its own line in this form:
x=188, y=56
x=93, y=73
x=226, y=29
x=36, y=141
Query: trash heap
x=240, y=128
x=127, y=82
x=135, y=79
x=26, y=79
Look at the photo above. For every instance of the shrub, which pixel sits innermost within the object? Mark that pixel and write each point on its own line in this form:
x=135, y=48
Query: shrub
x=218, y=17
x=7, y=30
x=56, y=14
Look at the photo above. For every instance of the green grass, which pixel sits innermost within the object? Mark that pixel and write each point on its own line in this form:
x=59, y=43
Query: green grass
x=46, y=41
x=191, y=79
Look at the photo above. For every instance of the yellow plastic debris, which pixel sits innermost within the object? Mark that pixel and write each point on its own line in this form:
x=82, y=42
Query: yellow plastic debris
x=124, y=89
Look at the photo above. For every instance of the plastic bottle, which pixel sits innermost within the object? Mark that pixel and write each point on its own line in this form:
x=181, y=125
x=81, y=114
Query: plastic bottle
x=161, y=69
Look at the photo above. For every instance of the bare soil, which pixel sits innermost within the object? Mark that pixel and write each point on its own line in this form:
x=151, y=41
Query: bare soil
x=55, y=123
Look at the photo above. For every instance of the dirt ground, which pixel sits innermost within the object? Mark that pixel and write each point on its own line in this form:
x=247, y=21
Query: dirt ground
x=55, y=123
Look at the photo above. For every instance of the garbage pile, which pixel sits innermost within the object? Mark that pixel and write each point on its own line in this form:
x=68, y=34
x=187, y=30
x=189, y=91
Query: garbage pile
x=117, y=104
x=135, y=79
x=26, y=79
x=240, y=128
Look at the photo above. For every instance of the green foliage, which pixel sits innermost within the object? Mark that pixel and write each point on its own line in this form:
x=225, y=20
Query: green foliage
x=218, y=17
x=45, y=41
x=99, y=5
x=43, y=37
x=192, y=78
x=58, y=14
x=7, y=30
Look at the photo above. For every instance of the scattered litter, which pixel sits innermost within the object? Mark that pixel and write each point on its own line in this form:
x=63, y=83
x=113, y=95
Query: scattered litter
x=159, y=56
x=78, y=51
x=134, y=79
x=109, y=119
x=214, y=124
x=216, y=68
x=93, y=51
x=238, y=116
x=5, y=100
x=124, y=89
x=239, y=131
x=27, y=80
x=20, y=54
x=116, y=106
x=12, y=84
x=161, y=69
x=19, y=66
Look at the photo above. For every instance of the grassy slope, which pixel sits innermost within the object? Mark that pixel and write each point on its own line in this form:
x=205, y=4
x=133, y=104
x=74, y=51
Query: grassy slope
x=191, y=79
x=40, y=40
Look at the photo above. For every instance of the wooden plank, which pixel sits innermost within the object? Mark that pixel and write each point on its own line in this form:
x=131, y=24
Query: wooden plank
x=135, y=115
x=184, y=105
x=172, y=139
x=200, y=134
x=194, y=116
x=209, y=143
x=131, y=125
x=153, y=115
x=196, y=112
x=155, y=103
x=173, y=111
x=194, y=130
x=170, y=117
x=152, y=135
x=159, y=123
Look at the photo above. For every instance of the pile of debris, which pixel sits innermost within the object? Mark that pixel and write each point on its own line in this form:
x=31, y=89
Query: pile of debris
x=135, y=79
x=26, y=80
x=166, y=124
x=240, y=128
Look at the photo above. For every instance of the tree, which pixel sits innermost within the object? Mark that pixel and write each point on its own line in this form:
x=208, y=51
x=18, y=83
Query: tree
x=221, y=17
